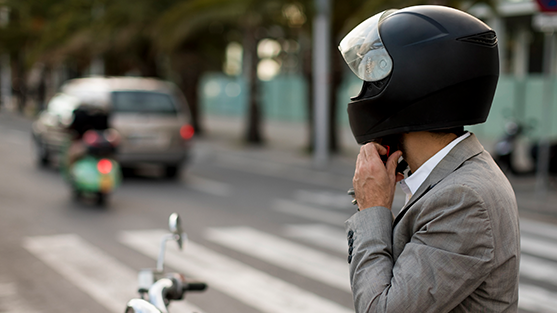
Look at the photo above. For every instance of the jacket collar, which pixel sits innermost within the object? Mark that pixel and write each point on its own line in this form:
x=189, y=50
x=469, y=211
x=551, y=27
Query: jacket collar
x=462, y=152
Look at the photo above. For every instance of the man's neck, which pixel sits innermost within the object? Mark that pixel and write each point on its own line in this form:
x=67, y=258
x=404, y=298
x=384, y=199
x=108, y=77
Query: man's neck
x=421, y=146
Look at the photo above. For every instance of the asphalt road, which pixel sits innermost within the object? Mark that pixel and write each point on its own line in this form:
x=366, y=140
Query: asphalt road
x=265, y=232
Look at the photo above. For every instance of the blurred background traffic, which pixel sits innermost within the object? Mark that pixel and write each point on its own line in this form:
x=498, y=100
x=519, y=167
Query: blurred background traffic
x=233, y=114
x=243, y=60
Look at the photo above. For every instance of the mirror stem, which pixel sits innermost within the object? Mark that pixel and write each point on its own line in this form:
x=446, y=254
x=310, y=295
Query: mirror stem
x=160, y=261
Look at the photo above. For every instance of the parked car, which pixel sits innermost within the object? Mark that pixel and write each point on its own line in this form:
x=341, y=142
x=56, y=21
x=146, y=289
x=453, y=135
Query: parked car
x=151, y=116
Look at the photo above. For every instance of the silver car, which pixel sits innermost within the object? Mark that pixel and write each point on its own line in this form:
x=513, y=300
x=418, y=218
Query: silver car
x=151, y=116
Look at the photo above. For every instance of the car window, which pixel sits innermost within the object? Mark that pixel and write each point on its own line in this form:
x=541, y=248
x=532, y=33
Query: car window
x=142, y=102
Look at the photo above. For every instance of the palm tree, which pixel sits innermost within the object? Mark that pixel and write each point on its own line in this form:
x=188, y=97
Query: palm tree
x=248, y=17
x=19, y=37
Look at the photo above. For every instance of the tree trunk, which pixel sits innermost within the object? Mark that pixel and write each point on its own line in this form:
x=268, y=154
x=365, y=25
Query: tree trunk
x=19, y=86
x=41, y=89
x=308, y=75
x=335, y=82
x=148, y=66
x=253, y=130
x=190, y=69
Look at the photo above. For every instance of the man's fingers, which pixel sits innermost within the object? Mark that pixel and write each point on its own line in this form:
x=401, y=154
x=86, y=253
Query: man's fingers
x=372, y=147
x=380, y=149
x=392, y=162
x=371, y=151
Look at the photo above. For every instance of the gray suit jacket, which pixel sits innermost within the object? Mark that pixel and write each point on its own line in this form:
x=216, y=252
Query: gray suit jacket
x=455, y=247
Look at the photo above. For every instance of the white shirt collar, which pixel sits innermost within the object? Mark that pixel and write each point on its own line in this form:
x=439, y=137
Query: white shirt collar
x=411, y=184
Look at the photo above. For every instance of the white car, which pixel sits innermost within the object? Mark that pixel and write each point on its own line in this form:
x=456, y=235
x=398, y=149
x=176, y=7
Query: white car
x=151, y=116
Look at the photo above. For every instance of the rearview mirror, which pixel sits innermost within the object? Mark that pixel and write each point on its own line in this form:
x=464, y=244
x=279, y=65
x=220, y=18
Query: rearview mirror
x=175, y=225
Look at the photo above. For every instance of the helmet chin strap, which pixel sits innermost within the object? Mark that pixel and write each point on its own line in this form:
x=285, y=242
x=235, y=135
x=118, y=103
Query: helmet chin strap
x=402, y=166
x=393, y=143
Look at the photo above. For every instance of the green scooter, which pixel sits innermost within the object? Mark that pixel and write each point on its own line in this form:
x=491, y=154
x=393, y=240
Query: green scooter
x=94, y=173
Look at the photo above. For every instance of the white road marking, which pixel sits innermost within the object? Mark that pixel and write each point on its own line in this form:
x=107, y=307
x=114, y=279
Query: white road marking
x=278, y=170
x=93, y=271
x=329, y=237
x=538, y=240
x=536, y=299
x=538, y=228
x=255, y=288
x=310, y=212
x=538, y=247
x=10, y=302
x=334, y=200
x=208, y=186
x=538, y=269
x=303, y=260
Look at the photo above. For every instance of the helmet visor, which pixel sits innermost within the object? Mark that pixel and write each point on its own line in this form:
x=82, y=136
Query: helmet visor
x=364, y=52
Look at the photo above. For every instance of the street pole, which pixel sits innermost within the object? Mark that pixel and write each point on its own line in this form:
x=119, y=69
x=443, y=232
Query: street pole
x=542, y=174
x=548, y=24
x=321, y=81
x=5, y=64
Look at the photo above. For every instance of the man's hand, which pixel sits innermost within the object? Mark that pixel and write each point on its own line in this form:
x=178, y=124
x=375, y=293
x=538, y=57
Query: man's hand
x=374, y=183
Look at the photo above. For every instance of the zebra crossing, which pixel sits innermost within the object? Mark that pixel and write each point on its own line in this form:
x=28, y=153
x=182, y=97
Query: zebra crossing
x=253, y=287
x=10, y=301
x=96, y=273
x=311, y=250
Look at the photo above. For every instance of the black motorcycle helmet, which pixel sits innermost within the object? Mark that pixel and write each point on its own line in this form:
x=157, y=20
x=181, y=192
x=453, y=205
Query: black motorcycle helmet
x=424, y=68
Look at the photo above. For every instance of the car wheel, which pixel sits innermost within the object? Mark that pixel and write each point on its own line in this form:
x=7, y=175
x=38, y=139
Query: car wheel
x=101, y=199
x=127, y=171
x=172, y=171
x=42, y=155
x=76, y=195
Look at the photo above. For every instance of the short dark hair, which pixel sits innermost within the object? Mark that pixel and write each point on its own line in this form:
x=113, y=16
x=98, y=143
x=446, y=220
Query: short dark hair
x=459, y=131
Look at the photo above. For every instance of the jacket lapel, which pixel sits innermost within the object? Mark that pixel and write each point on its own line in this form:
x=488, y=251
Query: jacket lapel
x=462, y=152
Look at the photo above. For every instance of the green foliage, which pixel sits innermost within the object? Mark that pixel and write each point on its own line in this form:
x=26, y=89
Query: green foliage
x=56, y=30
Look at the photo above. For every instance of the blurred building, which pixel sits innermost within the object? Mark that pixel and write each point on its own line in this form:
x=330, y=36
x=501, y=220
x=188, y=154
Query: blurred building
x=520, y=43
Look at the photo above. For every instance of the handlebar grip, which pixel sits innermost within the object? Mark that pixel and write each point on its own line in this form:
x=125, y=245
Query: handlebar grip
x=195, y=286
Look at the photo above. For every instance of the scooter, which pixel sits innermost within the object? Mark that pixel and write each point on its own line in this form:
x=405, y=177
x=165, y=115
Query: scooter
x=157, y=289
x=94, y=173
x=506, y=148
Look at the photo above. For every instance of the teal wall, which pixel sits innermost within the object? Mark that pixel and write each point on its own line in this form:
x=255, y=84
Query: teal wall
x=285, y=97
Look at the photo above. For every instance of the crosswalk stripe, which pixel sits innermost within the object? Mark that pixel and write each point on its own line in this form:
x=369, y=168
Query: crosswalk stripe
x=536, y=299
x=538, y=228
x=283, y=171
x=10, y=302
x=333, y=200
x=289, y=255
x=332, y=238
x=538, y=269
x=255, y=288
x=93, y=271
x=538, y=247
x=208, y=186
x=309, y=212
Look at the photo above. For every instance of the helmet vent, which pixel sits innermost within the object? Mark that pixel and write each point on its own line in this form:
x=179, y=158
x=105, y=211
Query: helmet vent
x=488, y=39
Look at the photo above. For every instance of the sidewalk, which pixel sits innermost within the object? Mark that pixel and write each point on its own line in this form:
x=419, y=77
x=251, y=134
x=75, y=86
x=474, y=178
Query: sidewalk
x=532, y=203
x=286, y=143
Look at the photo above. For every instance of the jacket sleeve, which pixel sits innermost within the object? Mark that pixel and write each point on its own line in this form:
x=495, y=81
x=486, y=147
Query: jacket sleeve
x=449, y=255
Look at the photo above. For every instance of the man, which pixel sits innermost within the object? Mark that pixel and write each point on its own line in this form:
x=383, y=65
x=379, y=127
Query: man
x=454, y=246
x=87, y=116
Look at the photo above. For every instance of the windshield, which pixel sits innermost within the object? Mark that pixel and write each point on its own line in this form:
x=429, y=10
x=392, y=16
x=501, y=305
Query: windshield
x=142, y=102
